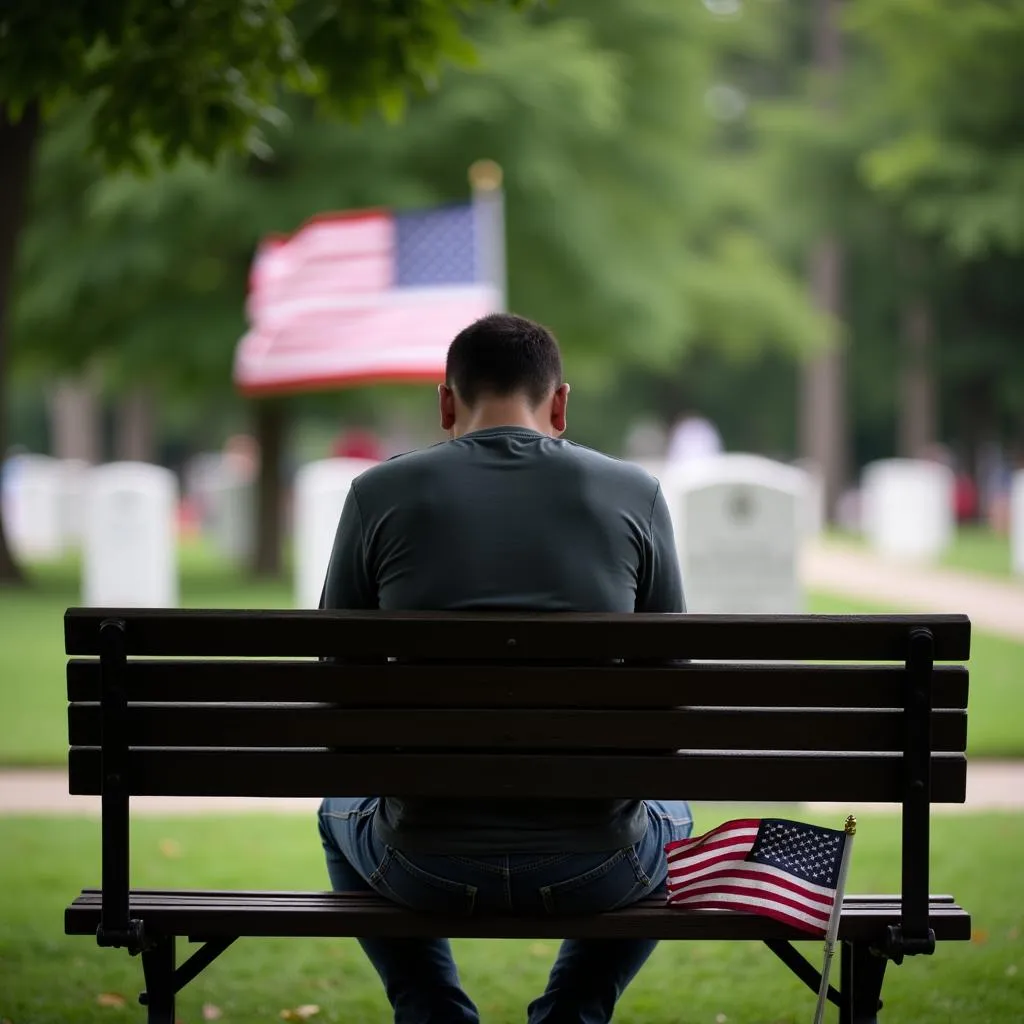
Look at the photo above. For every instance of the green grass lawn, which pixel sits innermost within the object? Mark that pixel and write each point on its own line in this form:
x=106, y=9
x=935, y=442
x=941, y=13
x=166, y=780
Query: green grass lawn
x=49, y=978
x=32, y=694
x=974, y=549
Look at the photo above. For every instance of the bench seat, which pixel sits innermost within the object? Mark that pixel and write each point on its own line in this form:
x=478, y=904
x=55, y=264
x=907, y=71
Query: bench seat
x=210, y=914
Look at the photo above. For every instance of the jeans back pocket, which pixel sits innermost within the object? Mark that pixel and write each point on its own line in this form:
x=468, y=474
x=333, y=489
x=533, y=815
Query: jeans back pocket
x=402, y=881
x=614, y=882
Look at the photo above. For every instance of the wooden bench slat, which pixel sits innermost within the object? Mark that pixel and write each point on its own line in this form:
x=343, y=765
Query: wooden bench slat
x=343, y=914
x=479, y=636
x=312, y=895
x=470, y=686
x=317, y=725
x=724, y=775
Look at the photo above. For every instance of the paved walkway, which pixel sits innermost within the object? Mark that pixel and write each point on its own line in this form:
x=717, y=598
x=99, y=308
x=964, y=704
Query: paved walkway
x=995, y=606
x=991, y=785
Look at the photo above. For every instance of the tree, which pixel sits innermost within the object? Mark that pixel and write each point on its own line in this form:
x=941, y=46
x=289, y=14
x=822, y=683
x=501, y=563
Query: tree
x=951, y=97
x=947, y=158
x=913, y=173
x=195, y=78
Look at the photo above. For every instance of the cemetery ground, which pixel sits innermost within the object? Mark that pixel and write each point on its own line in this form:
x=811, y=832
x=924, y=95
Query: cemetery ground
x=49, y=978
x=974, y=549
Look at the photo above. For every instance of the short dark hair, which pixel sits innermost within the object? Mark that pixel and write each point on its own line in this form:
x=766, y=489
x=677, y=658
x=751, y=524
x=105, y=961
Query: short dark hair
x=502, y=355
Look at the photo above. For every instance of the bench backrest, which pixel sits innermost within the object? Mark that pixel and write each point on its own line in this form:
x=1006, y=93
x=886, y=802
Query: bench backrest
x=522, y=705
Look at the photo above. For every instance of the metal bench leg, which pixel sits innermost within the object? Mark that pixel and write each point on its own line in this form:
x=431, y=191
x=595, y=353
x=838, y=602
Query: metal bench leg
x=862, y=974
x=158, y=970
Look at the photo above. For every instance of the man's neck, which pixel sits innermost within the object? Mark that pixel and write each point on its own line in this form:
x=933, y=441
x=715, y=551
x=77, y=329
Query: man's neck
x=501, y=414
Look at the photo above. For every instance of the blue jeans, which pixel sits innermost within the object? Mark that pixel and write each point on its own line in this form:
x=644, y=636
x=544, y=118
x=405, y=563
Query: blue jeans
x=419, y=974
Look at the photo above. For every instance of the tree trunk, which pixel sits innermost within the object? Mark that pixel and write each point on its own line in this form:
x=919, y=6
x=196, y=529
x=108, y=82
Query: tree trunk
x=75, y=419
x=17, y=147
x=271, y=425
x=823, y=439
x=823, y=426
x=918, y=427
x=135, y=430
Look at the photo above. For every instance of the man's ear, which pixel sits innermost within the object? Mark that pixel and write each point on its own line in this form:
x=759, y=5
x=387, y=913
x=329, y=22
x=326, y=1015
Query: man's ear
x=446, y=406
x=558, y=403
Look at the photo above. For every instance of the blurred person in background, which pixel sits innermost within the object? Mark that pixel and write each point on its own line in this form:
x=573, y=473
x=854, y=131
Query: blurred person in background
x=693, y=437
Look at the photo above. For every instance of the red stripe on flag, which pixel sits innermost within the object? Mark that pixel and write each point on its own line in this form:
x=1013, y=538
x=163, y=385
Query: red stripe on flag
x=728, y=826
x=745, y=843
x=753, y=890
x=735, y=852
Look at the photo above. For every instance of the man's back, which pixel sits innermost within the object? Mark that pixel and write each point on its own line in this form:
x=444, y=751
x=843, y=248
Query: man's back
x=506, y=518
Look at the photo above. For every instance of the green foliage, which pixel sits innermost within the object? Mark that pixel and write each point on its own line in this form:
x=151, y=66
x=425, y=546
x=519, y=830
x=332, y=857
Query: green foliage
x=193, y=78
x=952, y=92
x=403, y=50
x=189, y=76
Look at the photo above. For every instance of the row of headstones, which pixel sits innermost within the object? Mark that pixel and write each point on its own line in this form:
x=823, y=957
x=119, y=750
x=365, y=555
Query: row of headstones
x=44, y=502
x=739, y=521
x=124, y=517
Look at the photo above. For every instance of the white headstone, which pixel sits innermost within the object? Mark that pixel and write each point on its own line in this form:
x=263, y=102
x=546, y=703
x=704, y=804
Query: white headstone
x=1017, y=522
x=320, y=492
x=32, y=498
x=907, y=508
x=129, y=556
x=739, y=522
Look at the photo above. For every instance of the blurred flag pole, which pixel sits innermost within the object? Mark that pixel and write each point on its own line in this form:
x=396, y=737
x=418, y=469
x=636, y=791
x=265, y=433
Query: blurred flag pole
x=489, y=223
x=832, y=932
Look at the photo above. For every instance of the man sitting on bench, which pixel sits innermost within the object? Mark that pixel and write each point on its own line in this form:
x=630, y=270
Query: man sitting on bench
x=503, y=516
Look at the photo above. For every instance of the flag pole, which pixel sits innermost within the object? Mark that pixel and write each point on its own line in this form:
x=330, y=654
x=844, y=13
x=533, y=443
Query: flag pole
x=485, y=178
x=833, y=922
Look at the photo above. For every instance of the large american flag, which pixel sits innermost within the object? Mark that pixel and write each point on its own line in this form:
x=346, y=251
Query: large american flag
x=361, y=296
x=771, y=866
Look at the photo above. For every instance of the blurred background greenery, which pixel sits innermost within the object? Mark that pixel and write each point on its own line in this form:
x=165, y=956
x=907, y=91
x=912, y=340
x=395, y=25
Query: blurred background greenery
x=804, y=218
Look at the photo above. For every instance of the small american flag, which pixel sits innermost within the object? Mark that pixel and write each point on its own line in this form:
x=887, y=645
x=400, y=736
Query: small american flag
x=771, y=866
x=365, y=295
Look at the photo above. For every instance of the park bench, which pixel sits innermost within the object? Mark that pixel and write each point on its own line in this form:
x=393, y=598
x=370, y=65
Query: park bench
x=305, y=703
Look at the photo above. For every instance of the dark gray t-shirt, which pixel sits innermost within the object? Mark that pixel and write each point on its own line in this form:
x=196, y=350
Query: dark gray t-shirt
x=506, y=519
